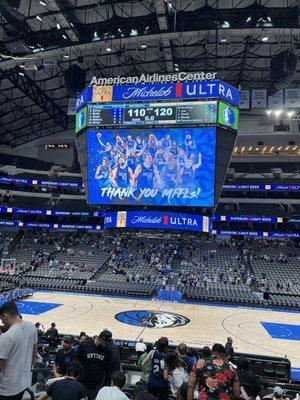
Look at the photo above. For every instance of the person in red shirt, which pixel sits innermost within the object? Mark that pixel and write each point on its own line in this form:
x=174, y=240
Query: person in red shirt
x=215, y=377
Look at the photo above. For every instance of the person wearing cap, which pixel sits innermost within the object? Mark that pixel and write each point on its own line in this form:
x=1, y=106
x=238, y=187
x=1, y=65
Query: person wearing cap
x=276, y=395
x=18, y=350
x=96, y=359
x=116, y=360
x=215, y=378
x=64, y=357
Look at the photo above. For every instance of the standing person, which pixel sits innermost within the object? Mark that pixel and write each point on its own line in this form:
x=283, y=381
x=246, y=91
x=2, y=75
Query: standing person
x=114, y=392
x=175, y=373
x=18, y=351
x=140, y=347
x=147, y=368
x=64, y=358
x=229, y=348
x=96, y=360
x=215, y=378
x=248, y=381
x=116, y=359
x=40, y=332
x=67, y=388
x=52, y=335
x=157, y=384
x=186, y=360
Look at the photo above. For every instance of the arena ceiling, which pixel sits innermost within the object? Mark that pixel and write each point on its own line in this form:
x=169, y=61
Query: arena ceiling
x=40, y=40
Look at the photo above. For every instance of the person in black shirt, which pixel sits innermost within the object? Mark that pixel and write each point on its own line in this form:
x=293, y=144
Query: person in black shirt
x=68, y=388
x=247, y=378
x=64, y=358
x=96, y=359
x=52, y=335
x=229, y=348
x=116, y=361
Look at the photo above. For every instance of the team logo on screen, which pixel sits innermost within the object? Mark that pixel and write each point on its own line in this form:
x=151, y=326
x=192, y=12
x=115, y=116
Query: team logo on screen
x=152, y=319
x=228, y=115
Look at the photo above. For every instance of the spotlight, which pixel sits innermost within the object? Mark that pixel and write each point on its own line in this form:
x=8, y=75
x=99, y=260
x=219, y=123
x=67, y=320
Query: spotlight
x=64, y=36
x=248, y=19
x=21, y=73
x=108, y=49
x=290, y=114
x=143, y=46
x=225, y=25
x=265, y=39
x=278, y=113
x=223, y=40
x=269, y=112
x=42, y=3
x=39, y=18
x=58, y=25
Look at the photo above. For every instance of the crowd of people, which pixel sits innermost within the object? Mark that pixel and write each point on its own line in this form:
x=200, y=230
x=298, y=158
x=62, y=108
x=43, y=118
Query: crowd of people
x=89, y=368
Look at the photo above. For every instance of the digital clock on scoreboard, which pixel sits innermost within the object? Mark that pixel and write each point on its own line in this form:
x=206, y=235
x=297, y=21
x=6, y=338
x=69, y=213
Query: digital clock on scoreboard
x=152, y=114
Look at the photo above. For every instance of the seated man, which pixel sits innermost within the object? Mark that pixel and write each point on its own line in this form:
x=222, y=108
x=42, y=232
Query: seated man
x=67, y=388
x=113, y=392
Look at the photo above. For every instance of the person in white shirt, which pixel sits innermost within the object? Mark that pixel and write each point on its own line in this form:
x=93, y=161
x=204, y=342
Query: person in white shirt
x=140, y=347
x=18, y=351
x=175, y=373
x=113, y=392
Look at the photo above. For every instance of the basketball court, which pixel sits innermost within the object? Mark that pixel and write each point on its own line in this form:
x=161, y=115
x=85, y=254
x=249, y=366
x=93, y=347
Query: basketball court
x=256, y=331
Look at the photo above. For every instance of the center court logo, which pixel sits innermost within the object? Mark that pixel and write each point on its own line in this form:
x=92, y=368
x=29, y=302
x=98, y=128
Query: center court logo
x=152, y=319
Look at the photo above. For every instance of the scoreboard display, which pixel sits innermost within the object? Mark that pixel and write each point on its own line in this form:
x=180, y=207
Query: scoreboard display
x=159, y=145
x=146, y=114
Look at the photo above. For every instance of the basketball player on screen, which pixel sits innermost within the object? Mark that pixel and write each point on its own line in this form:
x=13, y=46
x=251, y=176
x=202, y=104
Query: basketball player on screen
x=170, y=174
x=103, y=173
x=145, y=173
x=188, y=170
x=122, y=175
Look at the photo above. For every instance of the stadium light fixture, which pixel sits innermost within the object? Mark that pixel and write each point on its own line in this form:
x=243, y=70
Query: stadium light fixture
x=143, y=46
x=133, y=32
x=278, y=113
x=39, y=18
x=290, y=114
x=295, y=147
x=269, y=112
x=223, y=40
x=225, y=25
x=42, y=3
x=265, y=39
x=108, y=49
x=249, y=19
x=58, y=25
x=65, y=37
x=21, y=73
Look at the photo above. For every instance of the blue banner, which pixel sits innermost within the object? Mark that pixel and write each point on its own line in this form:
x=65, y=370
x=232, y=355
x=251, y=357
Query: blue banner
x=245, y=218
x=159, y=220
x=186, y=90
x=110, y=220
x=85, y=97
x=220, y=232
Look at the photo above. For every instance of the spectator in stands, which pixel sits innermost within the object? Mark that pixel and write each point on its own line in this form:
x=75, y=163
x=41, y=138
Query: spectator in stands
x=64, y=357
x=215, y=378
x=186, y=360
x=6, y=197
x=140, y=347
x=113, y=392
x=175, y=373
x=40, y=332
x=147, y=368
x=52, y=335
x=116, y=362
x=18, y=350
x=96, y=359
x=249, y=384
x=157, y=384
x=68, y=388
x=276, y=395
x=206, y=352
x=229, y=348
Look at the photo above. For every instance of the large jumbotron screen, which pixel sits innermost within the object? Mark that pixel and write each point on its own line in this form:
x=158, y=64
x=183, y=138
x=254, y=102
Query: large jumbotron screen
x=154, y=167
